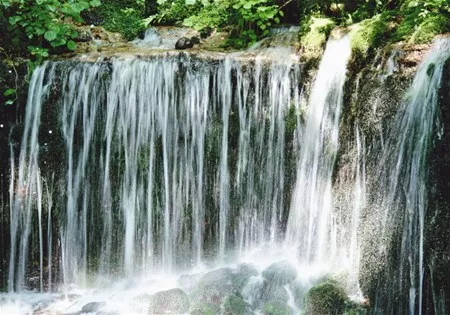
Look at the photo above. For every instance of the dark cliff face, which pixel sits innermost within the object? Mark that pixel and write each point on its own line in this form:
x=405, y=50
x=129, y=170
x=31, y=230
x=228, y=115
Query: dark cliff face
x=372, y=101
x=11, y=73
x=437, y=231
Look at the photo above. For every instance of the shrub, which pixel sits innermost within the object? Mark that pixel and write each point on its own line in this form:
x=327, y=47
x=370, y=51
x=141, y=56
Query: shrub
x=44, y=24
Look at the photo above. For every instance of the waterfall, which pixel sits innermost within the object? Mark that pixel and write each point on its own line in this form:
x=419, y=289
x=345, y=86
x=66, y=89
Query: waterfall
x=402, y=173
x=165, y=163
x=179, y=163
x=312, y=226
x=26, y=185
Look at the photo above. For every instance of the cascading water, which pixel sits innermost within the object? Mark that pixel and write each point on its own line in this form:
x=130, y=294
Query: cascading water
x=132, y=171
x=402, y=176
x=311, y=226
x=153, y=180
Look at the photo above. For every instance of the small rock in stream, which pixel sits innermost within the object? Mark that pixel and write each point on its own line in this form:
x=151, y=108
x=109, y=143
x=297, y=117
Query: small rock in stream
x=184, y=43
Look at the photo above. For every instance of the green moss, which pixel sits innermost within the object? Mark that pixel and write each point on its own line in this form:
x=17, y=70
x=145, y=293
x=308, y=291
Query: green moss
x=277, y=308
x=326, y=298
x=430, y=27
x=314, y=36
x=370, y=34
x=205, y=309
x=235, y=305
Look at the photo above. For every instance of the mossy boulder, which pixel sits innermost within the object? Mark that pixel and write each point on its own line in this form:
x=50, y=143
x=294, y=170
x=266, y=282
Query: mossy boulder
x=280, y=273
x=173, y=301
x=325, y=298
x=234, y=304
x=242, y=275
x=205, y=309
x=213, y=287
x=272, y=292
x=277, y=308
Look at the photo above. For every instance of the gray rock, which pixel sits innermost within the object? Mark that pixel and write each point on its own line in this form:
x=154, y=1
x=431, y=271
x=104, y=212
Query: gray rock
x=173, y=301
x=213, y=287
x=299, y=291
x=242, y=275
x=195, y=40
x=84, y=36
x=188, y=282
x=184, y=43
x=92, y=307
x=274, y=293
x=205, y=309
x=280, y=273
x=219, y=275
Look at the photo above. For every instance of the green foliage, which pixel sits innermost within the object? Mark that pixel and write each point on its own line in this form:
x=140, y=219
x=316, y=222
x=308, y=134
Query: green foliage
x=211, y=15
x=431, y=26
x=119, y=16
x=44, y=23
x=254, y=19
x=249, y=20
x=174, y=12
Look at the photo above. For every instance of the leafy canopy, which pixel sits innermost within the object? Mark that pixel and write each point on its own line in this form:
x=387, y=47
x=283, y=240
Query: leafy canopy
x=44, y=24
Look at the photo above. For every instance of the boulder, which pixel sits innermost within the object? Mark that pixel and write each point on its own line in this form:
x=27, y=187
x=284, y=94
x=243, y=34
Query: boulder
x=325, y=298
x=84, y=36
x=242, y=275
x=277, y=308
x=92, y=307
x=299, y=290
x=274, y=293
x=173, y=301
x=184, y=43
x=195, y=40
x=205, y=309
x=280, y=273
x=213, y=287
x=188, y=282
x=234, y=304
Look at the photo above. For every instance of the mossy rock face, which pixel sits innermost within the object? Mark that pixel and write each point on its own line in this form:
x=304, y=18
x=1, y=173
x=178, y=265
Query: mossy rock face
x=429, y=28
x=173, y=301
x=325, y=298
x=314, y=37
